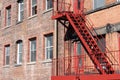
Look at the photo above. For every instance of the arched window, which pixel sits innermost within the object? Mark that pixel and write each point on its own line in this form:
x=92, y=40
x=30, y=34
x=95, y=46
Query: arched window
x=19, y=51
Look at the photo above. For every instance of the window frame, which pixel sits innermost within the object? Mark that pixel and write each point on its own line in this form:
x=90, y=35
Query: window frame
x=7, y=47
x=30, y=49
x=46, y=6
x=47, y=56
x=20, y=2
x=31, y=8
x=8, y=16
x=19, y=44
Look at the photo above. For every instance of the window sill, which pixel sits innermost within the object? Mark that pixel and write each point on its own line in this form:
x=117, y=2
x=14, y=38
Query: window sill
x=31, y=63
x=47, y=61
x=48, y=10
x=16, y=65
x=18, y=22
x=6, y=27
x=6, y=66
x=32, y=16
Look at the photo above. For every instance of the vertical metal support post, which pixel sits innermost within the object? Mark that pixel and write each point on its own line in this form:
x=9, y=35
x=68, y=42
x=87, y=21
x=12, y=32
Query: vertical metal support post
x=75, y=6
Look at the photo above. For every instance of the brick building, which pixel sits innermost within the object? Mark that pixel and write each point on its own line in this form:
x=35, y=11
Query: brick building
x=30, y=39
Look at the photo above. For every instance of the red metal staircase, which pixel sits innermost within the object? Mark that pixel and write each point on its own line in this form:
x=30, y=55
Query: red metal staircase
x=96, y=55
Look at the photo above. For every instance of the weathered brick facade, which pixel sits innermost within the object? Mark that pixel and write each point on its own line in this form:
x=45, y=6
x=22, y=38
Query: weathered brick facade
x=40, y=25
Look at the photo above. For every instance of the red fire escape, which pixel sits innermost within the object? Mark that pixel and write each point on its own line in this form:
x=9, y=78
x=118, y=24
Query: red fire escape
x=63, y=13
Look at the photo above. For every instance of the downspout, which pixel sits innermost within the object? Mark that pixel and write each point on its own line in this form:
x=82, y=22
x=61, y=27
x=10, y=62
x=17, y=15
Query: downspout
x=56, y=40
x=56, y=44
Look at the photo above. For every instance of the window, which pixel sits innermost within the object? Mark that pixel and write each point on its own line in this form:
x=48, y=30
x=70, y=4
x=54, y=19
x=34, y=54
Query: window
x=20, y=10
x=8, y=16
x=7, y=55
x=98, y=3
x=19, y=52
x=48, y=4
x=101, y=43
x=33, y=50
x=79, y=48
x=33, y=7
x=49, y=46
x=79, y=53
x=118, y=0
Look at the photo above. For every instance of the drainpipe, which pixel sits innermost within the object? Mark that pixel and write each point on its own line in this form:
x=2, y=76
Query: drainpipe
x=56, y=40
x=56, y=44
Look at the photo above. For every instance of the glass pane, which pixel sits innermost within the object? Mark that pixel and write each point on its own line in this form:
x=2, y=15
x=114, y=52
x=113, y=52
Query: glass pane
x=21, y=6
x=34, y=2
x=7, y=51
x=99, y=3
x=33, y=55
x=79, y=49
x=7, y=60
x=49, y=41
x=49, y=52
x=34, y=10
x=33, y=45
x=20, y=57
x=51, y=4
x=21, y=15
x=8, y=16
x=20, y=47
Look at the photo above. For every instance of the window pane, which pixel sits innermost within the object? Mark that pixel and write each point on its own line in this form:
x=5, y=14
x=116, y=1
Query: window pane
x=34, y=10
x=33, y=56
x=21, y=6
x=19, y=52
x=7, y=60
x=8, y=16
x=49, y=46
x=49, y=41
x=21, y=15
x=49, y=4
x=33, y=50
x=99, y=3
x=20, y=10
x=34, y=2
x=7, y=54
x=33, y=45
x=79, y=49
x=20, y=47
x=20, y=57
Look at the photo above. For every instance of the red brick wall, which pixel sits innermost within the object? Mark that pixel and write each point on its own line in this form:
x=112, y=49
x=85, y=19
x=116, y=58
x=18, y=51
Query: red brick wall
x=35, y=26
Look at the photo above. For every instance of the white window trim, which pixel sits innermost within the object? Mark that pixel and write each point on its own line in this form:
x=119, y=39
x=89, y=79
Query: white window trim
x=32, y=7
x=19, y=10
x=18, y=53
x=46, y=57
x=31, y=51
